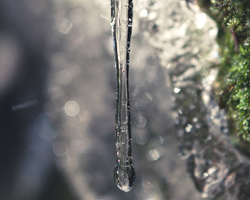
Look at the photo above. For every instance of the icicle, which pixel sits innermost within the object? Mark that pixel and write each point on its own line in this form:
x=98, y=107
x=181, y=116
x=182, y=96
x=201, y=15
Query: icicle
x=121, y=22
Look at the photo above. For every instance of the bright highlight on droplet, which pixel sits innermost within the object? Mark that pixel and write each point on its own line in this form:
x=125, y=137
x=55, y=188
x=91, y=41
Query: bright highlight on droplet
x=72, y=108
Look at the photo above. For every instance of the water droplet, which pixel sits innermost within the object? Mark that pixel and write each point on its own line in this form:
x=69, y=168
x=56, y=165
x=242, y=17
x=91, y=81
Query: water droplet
x=124, y=176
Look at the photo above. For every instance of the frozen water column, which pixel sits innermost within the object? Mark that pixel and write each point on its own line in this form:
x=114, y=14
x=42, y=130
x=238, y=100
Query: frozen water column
x=121, y=22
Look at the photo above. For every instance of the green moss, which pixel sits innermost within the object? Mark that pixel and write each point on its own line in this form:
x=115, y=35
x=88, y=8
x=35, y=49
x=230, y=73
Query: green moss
x=233, y=20
x=239, y=99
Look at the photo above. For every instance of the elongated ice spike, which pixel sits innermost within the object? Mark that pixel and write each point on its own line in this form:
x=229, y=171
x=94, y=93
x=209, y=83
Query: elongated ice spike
x=121, y=22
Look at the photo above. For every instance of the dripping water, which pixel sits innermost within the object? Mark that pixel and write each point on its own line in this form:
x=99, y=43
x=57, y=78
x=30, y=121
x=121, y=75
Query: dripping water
x=121, y=22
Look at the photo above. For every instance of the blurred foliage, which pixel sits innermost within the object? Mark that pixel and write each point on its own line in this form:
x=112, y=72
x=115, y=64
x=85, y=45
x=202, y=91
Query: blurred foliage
x=239, y=98
x=233, y=83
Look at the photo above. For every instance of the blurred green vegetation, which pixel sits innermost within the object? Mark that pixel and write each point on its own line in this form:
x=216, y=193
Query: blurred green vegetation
x=233, y=83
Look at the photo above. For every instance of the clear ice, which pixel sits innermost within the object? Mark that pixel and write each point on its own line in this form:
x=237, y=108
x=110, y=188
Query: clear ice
x=121, y=22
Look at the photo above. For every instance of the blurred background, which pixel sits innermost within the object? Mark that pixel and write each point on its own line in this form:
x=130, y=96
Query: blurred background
x=57, y=99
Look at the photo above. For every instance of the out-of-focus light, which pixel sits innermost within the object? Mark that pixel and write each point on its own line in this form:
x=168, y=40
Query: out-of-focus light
x=205, y=175
x=206, y=99
x=64, y=26
x=9, y=58
x=151, y=71
x=198, y=126
x=211, y=78
x=204, y=195
x=55, y=93
x=215, y=54
x=72, y=108
x=148, y=97
x=173, y=99
x=188, y=128
x=64, y=77
x=155, y=154
x=146, y=184
x=152, y=16
x=200, y=20
x=82, y=146
x=60, y=148
x=195, y=119
x=141, y=121
x=180, y=133
x=140, y=104
x=211, y=170
x=183, y=29
x=24, y=105
x=177, y=90
x=141, y=138
x=143, y=13
x=216, y=121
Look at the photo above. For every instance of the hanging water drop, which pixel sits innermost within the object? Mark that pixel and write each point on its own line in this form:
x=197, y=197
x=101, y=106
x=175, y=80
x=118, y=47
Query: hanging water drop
x=121, y=22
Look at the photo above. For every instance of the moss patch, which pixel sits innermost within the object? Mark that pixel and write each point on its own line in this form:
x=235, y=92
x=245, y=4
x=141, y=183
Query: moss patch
x=233, y=83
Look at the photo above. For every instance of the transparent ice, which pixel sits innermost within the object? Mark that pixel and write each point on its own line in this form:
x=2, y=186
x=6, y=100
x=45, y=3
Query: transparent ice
x=121, y=22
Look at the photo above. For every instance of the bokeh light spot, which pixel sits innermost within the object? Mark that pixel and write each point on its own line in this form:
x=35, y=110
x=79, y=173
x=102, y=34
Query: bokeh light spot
x=72, y=108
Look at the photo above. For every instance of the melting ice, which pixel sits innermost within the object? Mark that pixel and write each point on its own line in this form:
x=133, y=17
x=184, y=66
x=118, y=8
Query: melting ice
x=121, y=22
